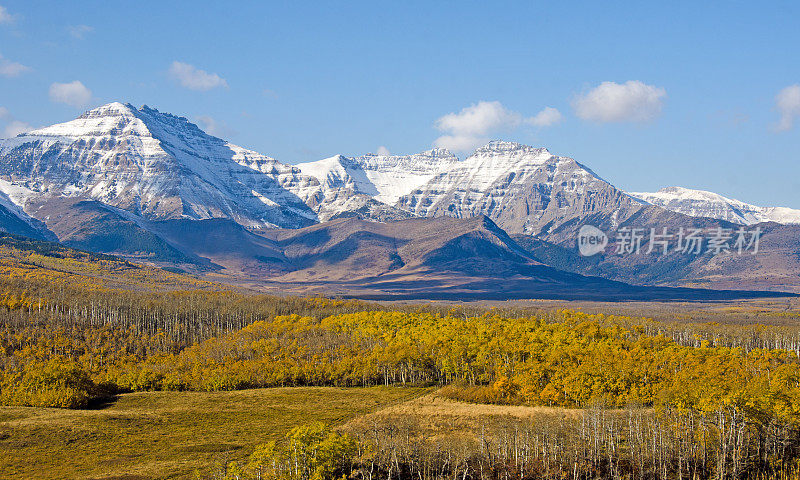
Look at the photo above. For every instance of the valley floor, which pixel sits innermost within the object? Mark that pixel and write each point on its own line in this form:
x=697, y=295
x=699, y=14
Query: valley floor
x=154, y=435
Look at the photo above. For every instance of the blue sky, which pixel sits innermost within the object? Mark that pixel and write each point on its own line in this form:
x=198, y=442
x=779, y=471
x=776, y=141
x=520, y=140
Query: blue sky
x=648, y=94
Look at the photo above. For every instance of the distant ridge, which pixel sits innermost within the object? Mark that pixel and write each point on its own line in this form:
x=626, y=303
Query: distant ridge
x=700, y=203
x=153, y=187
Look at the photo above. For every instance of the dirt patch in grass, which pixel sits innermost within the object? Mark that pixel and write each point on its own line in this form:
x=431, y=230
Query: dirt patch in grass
x=435, y=405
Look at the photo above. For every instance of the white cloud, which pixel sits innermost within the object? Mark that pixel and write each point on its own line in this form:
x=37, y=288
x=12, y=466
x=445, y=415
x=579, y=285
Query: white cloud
x=478, y=119
x=15, y=127
x=5, y=17
x=468, y=129
x=787, y=102
x=460, y=143
x=79, y=31
x=548, y=116
x=72, y=93
x=211, y=126
x=383, y=151
x=471, y=127
x=195, y=79
x=11, y=69
x=632, y=101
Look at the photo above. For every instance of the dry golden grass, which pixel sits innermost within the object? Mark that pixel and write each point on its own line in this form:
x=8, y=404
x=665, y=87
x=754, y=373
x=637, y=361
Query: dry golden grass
x=433, y=405
x=155, y=435
x=434, y=417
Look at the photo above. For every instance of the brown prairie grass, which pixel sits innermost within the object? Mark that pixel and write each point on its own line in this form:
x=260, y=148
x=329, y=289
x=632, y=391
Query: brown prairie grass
x=435, y=405
x=435, y=417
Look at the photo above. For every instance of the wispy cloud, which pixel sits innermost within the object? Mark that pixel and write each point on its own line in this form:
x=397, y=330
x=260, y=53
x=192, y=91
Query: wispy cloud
x=470, y=128
x=632, y=101
x=5, y=17
x=383, y=151
x=11, y=69
x=79, y=31
x=13, y=126
x=73, y=93
x=214, y=127
x=547, y=117
x=787, y=102
x=193, y=78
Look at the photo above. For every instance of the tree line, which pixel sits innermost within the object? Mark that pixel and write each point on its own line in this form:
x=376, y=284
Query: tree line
x=660, y=399
x=631, y=443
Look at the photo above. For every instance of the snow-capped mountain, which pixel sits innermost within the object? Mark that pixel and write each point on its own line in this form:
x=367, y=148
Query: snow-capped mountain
x=157, y=166
x=372, y=184
x=386, y=178
x=154, y=187
x=700, y=203
x=521, y=188
x=14, y=220
x=154, y=165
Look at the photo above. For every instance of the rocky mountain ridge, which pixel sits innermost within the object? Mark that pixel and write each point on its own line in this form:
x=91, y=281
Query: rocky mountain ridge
x=154, y=187
x=700, y=203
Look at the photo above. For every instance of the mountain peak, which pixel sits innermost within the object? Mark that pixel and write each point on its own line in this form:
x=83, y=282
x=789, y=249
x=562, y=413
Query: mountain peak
x=502, y=146
x=122, y=120
x=116, y=114
x=702, y=203
x=107, y=120
x=383, y=177
x=437, y=152
x=112, y=108
x=690, y=194
x=684, y=190
x=157, y=166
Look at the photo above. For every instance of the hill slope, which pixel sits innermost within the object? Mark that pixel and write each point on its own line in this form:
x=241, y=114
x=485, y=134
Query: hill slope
x=439, y=258
x=48, y=265
x=776, y=265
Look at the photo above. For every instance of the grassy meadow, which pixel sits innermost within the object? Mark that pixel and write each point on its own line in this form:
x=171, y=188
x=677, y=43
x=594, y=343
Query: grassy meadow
x=198, y=382
x=155, y=435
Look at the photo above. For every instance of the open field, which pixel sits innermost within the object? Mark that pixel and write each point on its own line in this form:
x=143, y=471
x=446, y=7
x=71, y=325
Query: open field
x=774, y=311
x=435, y=406
x=154, y=435
x=435, y=417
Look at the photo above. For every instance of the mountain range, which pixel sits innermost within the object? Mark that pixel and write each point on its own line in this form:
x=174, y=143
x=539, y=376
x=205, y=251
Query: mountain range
x=699, y=203
x=153, y=187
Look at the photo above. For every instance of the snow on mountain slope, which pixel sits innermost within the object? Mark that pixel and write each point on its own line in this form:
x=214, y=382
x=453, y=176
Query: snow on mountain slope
x=340, y=172
x=397, y=175
x=523, y=189
x=700, y=203
x=13, y=218
x=157, y=166
x=14, y=196
x=384, y=177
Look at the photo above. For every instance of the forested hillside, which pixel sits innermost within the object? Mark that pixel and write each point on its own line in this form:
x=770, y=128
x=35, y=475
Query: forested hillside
x=658, y=399
x=32, y=265
x=729, y=395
